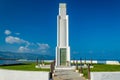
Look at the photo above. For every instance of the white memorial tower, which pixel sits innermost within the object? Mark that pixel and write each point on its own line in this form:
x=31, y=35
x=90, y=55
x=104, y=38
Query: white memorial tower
x=62, y=49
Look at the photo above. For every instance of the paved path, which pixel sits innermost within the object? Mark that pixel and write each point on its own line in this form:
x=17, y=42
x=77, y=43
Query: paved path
x=67, y=75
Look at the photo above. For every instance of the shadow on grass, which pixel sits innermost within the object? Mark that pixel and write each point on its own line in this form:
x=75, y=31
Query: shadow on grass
x=15, y=64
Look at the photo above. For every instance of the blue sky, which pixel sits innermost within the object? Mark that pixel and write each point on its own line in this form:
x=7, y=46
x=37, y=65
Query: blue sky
x=31, y=26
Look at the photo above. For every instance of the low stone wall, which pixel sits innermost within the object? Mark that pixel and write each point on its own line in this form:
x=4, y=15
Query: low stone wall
x=105, y=75
x=23, y=75
x=113, y=62
x=87, y=61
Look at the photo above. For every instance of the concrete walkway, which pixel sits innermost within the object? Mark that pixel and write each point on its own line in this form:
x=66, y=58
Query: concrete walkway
x=67, y=75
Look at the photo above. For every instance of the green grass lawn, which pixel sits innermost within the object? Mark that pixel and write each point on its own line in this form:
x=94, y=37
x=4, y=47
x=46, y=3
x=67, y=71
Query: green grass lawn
x=25, y=67
x=31, y=67
x=102, y=68
x=105, y=68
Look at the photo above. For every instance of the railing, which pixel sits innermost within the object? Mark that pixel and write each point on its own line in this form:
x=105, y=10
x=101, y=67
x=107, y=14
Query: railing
x=80, y=68
x=52, y=68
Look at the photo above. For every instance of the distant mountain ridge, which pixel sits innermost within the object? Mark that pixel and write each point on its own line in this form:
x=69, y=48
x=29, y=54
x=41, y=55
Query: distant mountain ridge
x=28, y=56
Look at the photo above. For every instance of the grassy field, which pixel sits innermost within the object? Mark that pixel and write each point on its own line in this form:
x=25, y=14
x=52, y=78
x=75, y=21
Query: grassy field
x=31, y=67
x=102, y=68
x=105, y=68
x=25, y=67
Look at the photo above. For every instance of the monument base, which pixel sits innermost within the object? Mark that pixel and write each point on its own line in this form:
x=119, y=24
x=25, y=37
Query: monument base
x=64, y=67
x=63, y=56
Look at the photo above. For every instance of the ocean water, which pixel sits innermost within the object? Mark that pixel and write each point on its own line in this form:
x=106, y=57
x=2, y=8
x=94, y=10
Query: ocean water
x=7, y=62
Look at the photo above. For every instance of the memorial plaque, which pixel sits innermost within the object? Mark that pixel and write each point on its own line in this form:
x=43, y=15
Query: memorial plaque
x=63, y=56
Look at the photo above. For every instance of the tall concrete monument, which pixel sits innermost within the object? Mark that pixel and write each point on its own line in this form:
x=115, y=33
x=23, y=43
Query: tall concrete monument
x=62, y=49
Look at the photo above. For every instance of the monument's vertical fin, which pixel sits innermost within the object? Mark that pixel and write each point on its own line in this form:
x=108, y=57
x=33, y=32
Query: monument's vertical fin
x=62, y=49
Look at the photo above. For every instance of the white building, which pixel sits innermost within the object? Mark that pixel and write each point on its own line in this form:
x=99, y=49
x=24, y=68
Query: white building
x=62, y=49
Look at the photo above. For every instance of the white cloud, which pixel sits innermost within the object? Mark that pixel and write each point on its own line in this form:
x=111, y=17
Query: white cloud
x=23, y=49
x=12, y=40
x=7, y=32
x=43, y=48
x=17, y=33
x=25, y=46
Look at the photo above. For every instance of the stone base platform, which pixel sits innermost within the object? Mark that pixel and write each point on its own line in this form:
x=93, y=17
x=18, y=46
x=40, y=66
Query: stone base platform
x=65, y=68
x=67, y=75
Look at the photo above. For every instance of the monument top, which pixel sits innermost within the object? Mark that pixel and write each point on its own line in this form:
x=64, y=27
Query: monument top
x=62, y=9
x=62, y=5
